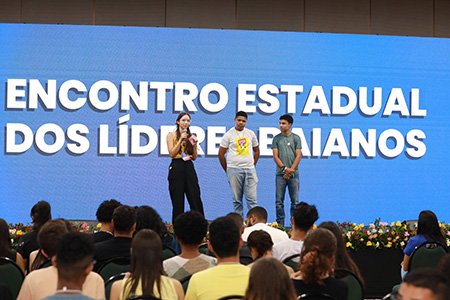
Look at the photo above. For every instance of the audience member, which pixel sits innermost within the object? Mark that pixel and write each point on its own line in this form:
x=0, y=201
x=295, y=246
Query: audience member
x=74, y=263
x=317, y=265
x=146, y=269
x=244, y=251
x=6, y=246
x=424, y=284
x=124, y=223
x=260, y=244
x=40, y=213
x=43, y=282
x=148, y=218
x=269, y=281
x=427, y=231
x=302, y=222
x=343, y=259
x=190, y=230
x=256, y=220
x=228, y=277
x=104, y=216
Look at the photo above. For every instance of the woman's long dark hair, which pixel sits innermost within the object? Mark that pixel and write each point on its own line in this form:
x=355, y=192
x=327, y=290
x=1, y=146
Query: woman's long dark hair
x=318, y=256
x=5, y=240
x=148, y=218
x=40, y=214
x=146, y=265
x=188, y=148
x=343, y=259
x=428, y=226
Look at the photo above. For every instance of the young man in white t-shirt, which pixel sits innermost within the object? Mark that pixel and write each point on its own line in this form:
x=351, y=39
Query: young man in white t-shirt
x=242, y=149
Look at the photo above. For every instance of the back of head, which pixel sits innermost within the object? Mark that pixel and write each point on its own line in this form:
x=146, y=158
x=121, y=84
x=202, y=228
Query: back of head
x=304, y=216
x=288, y=118
x=5, y=239
x=148, y=218
x=106, y=209
x=318, y=254
x=190, y=228
x=343, y=259
x=238, y=220
x=50, y=236
x=260, y=241
x=241, y=114
x=124, y=218
x=74, y=255
x=259, y=213
x=40, y=213
x=224, y=237
x=430, y=279
x=269, y=280
x=146, y=256
x=428, y=226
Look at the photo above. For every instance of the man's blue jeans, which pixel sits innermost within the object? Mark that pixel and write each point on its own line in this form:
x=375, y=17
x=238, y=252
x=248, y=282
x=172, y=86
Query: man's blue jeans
x=293, y=185
x=243, y=182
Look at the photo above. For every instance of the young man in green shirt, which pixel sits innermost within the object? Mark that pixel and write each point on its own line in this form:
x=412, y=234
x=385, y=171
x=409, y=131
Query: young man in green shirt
x=287, y=153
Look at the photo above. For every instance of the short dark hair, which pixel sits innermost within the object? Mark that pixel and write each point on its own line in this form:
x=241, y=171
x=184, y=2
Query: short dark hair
x=288, y=118
x=105, y=210
x=241, y=114
x=259, y=212
x=124, y=218
x=190, y=228
x=224, y=237
x=238, y=220
x=75, y=253
x=428, y=278
x=50, y=236
x=305, y=215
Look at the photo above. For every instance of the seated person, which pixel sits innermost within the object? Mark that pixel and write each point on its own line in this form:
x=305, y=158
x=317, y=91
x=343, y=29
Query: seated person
x=145, y=278
x=124, y=223
x=104, y=216
x=427, y=231
x=148, y=218
x=6, y=246
x=190, y=230
x=228, y=277
x=257, y=220
x=424, y=284
x=43, y=282
x=245, y=256
x=317, y=265
x=260, y=245
x=302, y=221
x=74, y=263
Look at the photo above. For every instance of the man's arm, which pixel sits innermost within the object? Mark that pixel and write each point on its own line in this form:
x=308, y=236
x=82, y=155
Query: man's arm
x=255, y=155
x=276, y=158
x=222, y=159
x=298, y=157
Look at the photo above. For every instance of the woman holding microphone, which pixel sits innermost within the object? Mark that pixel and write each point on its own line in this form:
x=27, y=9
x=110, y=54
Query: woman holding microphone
x=183, y=180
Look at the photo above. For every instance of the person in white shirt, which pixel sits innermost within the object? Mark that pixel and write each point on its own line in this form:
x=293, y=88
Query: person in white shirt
x=256, y=220
x=242, y=149
x=302, y=221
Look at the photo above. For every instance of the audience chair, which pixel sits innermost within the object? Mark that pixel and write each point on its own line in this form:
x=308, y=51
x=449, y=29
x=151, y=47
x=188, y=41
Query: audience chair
x=231, y=297
x=110, y=281
x=315, y=296
x=203, y=248
x=355, y=287
x=427, y=255
x=114, y=266
x=291, y=262
x=45, y=264
x=245, y=260
x=168, y=252
x=11, y=277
